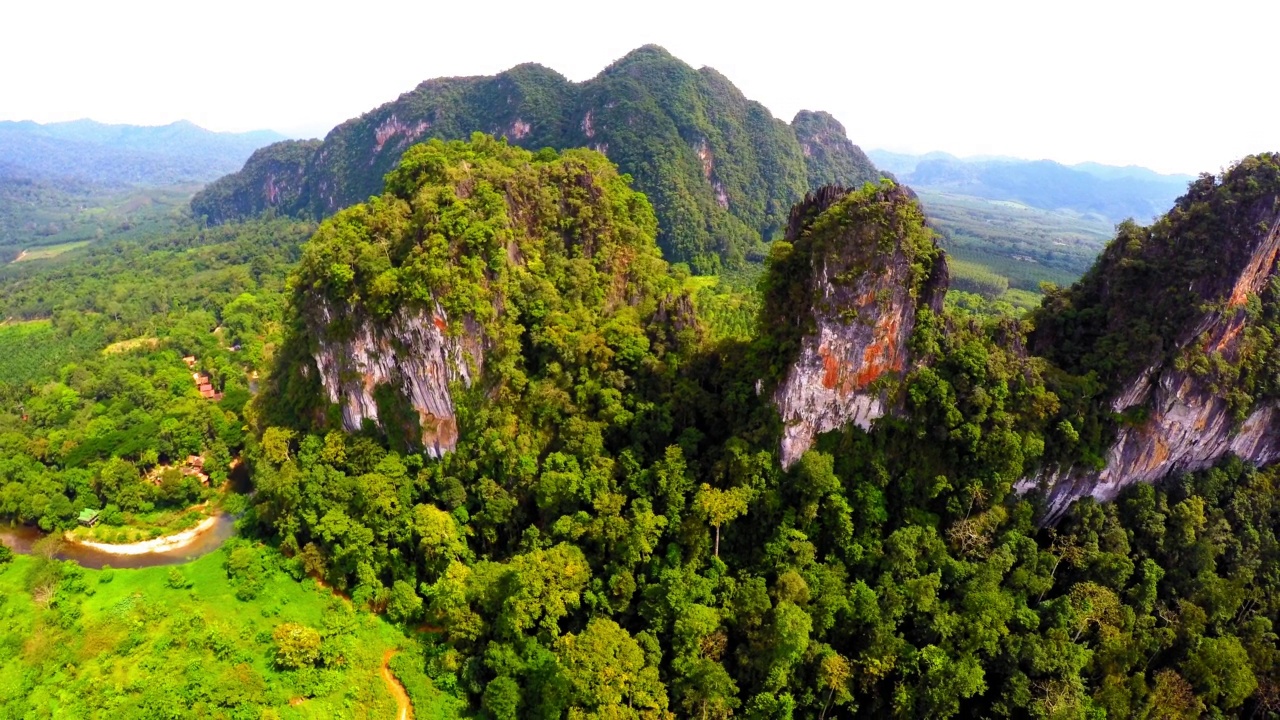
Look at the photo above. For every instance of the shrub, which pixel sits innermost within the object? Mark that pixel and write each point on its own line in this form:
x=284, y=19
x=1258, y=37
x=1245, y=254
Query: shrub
x=297, y=646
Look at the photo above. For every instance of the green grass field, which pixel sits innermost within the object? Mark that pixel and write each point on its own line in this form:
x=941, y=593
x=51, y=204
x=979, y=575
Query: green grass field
x=177, y=642
x=48, y=251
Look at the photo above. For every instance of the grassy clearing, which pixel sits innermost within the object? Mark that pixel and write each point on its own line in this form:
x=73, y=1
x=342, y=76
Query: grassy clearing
x=48, y=251
x=179, y=641
x=124, y=346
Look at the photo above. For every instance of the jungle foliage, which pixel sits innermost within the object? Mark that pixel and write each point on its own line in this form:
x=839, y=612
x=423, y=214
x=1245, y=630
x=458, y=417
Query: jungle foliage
x=614, y=535
x=97, y=408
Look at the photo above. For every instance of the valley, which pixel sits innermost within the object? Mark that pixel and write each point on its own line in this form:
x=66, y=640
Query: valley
x=520, y=396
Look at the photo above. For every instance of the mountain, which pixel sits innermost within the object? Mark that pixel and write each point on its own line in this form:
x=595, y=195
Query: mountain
x=490, y=412
x=399, y=313
x=1178, y=321
x=65, y=184
x=720, y=170
x=1108, y=192
x=860, y=294
x=830, y=158
x=92, y=152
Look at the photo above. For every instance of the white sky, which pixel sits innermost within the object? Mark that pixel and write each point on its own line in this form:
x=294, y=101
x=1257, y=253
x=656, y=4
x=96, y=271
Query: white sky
x=1175, y=86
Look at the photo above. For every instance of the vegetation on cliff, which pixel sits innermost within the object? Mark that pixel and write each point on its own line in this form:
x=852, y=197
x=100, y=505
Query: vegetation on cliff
x=845, y=234
x=1138, y=306
x=829, y=156
x=271, y=179
x=614, y=534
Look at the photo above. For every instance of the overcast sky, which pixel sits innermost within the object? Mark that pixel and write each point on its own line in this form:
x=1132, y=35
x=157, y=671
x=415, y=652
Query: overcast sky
x=1179, y=87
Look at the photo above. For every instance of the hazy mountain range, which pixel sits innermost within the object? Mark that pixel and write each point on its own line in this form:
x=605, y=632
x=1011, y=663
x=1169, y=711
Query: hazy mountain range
x=101, y=154
x=71, y=182
x=1108, y=192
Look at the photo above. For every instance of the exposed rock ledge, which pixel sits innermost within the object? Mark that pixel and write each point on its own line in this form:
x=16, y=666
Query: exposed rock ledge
x=415, y=354
x=1188, y=427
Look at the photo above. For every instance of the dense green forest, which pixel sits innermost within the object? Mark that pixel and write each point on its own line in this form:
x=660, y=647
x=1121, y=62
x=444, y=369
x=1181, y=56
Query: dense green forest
x=96, y=402
x=613, y=535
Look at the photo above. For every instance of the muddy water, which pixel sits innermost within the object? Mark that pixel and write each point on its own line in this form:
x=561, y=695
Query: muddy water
x=21, y=538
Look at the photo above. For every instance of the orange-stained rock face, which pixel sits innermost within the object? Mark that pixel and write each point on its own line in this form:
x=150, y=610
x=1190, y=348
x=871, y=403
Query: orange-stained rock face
x=863, y=324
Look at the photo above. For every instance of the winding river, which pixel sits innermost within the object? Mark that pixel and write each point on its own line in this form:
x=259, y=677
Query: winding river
x=21, y=538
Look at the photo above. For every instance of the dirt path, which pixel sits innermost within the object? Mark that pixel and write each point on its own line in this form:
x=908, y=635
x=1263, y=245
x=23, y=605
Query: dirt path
x=396, y=689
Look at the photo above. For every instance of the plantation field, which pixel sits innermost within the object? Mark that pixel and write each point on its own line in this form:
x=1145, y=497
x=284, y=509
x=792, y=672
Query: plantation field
x=195, y=640
x=45, y=219
x=1023, y=245
x=34, y=350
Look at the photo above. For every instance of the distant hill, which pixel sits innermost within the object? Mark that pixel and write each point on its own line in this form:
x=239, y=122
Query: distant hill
x=62, y=184
x=719, y=169
x=1107, y=192
x=99, y=154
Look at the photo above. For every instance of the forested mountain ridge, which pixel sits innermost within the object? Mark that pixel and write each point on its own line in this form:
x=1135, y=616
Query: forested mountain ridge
x=1178, y=321
x=830, y=157
x=720, y=170
x=613, y=529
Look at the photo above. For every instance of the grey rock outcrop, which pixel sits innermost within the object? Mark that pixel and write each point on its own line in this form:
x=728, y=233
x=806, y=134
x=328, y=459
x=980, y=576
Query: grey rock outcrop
x=1187, y=425
x=415, y=354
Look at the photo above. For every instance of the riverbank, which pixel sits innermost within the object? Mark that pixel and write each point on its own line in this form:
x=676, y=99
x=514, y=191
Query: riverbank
x=206, y=537
x=157, y=545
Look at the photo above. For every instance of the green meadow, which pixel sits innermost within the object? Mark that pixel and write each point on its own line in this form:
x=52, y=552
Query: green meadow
x=202, y=640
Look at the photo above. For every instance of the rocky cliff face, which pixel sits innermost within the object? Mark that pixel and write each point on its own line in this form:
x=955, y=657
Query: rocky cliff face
x=1188, y=421
x=413, y=354
x=481, y=266
x=866, y=286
